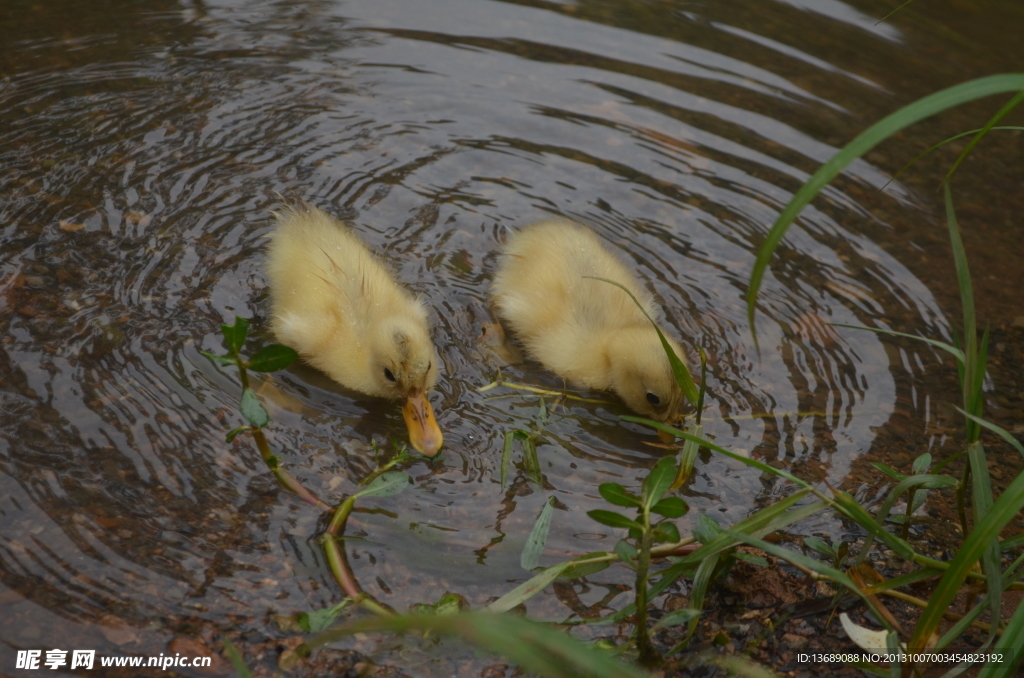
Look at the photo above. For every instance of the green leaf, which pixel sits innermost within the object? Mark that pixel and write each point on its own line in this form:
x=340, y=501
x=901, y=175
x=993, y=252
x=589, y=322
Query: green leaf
x=222, y=360
x=236, y=659
x=677, y=618
x=891, y=472
x=385, y=485
x=922, y=463
x=658, y=481
x=252, y=410
x=706, y=529
x=584, y=569
x=538, y=537
x=530, y=460
x=820, y=546
x=626, y=552
x=320, y=620
x=528, y=589
x=234, y=335
x=506, y=457
x=666, y=532
x=1005, y=509
x=612, y=519
x=952, y=350
x=234, y=432
x=614, y=493
x=998, y=430
x=272, y=358
x=679, y=370
x=450, y=603
x=891, y=124
x=670, y=507
x=538, y=649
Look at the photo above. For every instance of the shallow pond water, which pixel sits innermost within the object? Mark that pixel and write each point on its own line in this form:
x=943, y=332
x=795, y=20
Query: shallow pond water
x=143, y=147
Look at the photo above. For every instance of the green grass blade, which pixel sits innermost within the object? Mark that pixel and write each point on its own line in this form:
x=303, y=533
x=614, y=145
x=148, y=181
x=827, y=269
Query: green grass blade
x=1009, y=106
x=1002, y=512
x=925, y=480
x=809, y=563
x=943, y=143
x=701, y=583
x=679, y=369
x=990, y=559
x=953, y=350
x=528, y=589
x=868, y=139
x=721, y=450
x=886, y=17
x=972, y=381
x=1011, y=645
x=538, y=648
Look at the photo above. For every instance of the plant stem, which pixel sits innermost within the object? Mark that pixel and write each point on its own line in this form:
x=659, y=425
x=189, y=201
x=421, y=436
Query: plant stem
x=339, y=565
x=648, y=656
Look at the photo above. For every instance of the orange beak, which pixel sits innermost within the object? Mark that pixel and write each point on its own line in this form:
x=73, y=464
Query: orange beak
x=424, y=433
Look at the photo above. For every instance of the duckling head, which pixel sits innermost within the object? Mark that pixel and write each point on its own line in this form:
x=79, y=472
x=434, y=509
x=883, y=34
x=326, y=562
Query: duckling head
x=403, y=366
x=642, y=376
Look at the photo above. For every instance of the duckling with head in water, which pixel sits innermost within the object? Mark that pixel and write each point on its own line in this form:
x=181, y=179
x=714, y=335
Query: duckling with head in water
x=585, y=330
x=336, y=305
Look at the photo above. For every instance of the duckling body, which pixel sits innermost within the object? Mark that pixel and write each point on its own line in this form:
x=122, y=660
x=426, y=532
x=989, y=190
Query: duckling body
x=585, y=330
x=335, y=304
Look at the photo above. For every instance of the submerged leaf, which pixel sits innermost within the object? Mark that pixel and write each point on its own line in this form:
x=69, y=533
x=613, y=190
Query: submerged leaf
x=272, y=358
x=530, y=557
x=252, y=410
x=385, y=485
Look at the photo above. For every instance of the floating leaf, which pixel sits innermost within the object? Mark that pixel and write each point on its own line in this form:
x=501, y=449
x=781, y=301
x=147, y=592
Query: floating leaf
x=530, y=460
x=528, y=589
x=385, y=485
x=252, y=410
x=670, y=507
x=658, y=481
x=612, y=519
x=272, y=358
x=530, y=557
x=614, y=493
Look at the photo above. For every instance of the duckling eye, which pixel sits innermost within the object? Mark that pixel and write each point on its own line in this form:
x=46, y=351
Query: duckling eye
x=391, y=376
x=653, y=399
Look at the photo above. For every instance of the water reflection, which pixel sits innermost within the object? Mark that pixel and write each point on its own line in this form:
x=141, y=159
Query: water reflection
x=140, y=178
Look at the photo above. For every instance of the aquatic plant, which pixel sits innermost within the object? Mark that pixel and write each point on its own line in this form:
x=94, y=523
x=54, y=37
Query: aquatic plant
x=379, y=483
x=990, y=516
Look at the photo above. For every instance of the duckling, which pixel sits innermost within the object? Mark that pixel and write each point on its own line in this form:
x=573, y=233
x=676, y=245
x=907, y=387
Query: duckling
x=585, y=330
x=336, y=305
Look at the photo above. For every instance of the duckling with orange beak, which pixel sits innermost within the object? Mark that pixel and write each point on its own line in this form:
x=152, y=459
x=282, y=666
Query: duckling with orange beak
x=334, y=303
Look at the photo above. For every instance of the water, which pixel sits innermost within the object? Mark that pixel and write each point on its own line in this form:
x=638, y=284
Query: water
x=143, y=147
